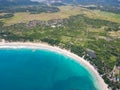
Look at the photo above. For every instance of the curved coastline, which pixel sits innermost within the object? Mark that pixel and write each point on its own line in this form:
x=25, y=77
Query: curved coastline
x=88, y=66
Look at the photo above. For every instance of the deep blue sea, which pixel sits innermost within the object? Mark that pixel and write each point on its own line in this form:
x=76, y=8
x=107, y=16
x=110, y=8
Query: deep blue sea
x=27, y=69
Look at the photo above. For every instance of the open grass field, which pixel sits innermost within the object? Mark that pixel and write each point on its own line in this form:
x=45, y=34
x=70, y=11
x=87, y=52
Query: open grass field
x=115, y=34
x=107, y=16
x=65, y=12
x=24, y=17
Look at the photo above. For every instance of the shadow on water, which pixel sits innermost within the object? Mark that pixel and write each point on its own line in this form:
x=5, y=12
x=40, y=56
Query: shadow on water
x=74, y=83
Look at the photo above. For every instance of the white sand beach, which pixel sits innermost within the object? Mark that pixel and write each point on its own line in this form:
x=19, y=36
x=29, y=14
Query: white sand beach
x=99, y=81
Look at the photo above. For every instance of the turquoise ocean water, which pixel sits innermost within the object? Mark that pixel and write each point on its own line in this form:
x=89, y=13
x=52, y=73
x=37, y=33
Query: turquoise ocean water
x=27, y=69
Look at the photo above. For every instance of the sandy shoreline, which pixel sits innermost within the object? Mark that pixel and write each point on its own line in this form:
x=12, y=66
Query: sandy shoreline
x=45, y=46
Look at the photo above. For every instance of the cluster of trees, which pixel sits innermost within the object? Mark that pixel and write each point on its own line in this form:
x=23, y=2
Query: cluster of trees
x=51, y=41
x=118, y=61
x=5, y=3
x=1, y=24
x=12, y=6
x=94, y=23
x=105, y=5
x=113, y=9
x=32, y=9
x=7, y=15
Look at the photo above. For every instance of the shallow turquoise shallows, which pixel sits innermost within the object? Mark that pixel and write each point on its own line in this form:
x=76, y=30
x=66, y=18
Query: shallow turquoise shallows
x=27, y=69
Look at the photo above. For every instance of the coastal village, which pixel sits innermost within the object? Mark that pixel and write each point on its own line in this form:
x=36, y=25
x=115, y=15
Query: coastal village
x=113, y=76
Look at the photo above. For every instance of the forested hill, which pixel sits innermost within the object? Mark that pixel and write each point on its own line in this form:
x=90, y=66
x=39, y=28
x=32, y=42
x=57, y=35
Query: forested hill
x=104, y=5
x=16, y=2
x=102, y=2
x=84, y=2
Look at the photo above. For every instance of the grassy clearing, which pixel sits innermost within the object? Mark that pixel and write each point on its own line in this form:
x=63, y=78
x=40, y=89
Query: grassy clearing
x=114, y=34
x=108, y=16
x=98, y=30
x=94, y=14
x=24, y=17
x=65, y=12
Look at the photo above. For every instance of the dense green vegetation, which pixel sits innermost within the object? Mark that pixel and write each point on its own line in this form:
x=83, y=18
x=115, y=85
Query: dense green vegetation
x=113, y=9
x=31, y=8
x=104, y=5
x=13, y=6
x=6, y=3
x=1, y=24
x=7, y=15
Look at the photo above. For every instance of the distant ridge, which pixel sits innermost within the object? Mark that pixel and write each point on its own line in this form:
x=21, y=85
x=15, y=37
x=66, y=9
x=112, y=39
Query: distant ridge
x=103, y=2
x=96, y=2
x=16, y=2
